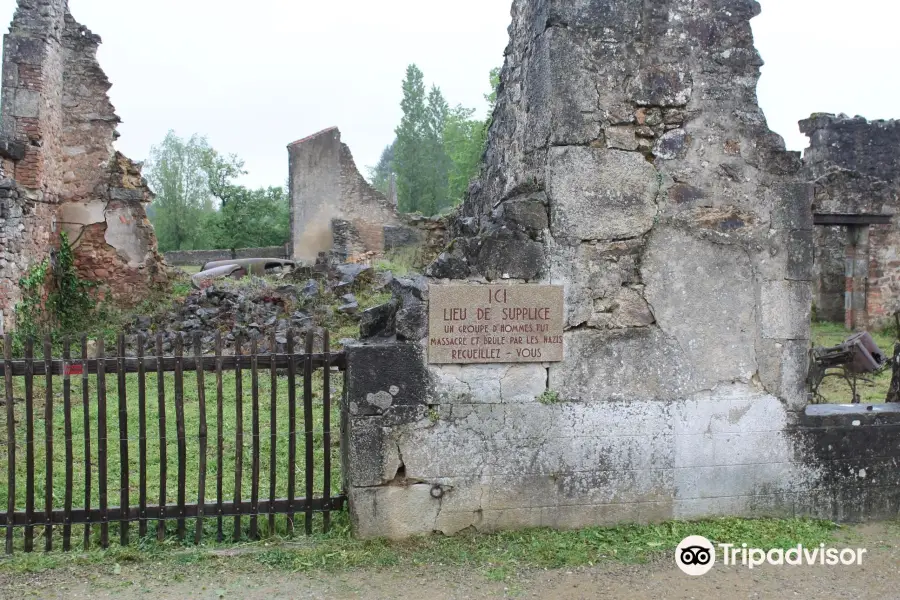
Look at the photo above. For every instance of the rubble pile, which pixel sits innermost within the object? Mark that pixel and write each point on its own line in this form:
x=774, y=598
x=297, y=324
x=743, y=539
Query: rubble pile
x=323, y=296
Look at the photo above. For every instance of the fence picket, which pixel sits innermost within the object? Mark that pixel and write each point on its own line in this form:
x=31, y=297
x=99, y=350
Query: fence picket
x=67, y=426
x=142, y=438
x=254, y=476
x=29, y=443
x=201, y=406
x=273, y=432
x=220, y=438
x=10, y=442
x=308, y=428
x=239, y=435
x=123, y=438
x=161, y=400
x=102, y=444
x=326, y=430
x=292, y=431
x=86, y=407
x=48, y=446
x=182, y=442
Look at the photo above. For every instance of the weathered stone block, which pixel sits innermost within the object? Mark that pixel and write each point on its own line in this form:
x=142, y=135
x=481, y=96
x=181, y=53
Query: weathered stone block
x=686, y=276
x=599, y=194
x=667, y=85
x=127, y=194
x=786, y=310
x=25, y=103
x=529, y=212
x=372, y=458
x=615, y=365
x=381, y=378
x=379, y=321
x=621, y=138
x=510, y=259
x=393, y=512
x=11, y=149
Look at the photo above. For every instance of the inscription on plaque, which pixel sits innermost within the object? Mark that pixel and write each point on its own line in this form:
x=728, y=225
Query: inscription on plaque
x=495, y=324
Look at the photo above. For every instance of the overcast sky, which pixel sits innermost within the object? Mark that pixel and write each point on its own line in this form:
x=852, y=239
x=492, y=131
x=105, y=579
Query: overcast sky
x=255, y=76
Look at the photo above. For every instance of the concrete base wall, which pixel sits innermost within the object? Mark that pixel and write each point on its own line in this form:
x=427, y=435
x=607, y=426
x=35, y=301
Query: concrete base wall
x=483, y=453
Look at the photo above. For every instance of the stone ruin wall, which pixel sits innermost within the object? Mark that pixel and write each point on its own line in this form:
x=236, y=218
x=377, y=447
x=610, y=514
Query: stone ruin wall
x=331, y=203
x=628, y=160
x=854, y=165
x=69, y=177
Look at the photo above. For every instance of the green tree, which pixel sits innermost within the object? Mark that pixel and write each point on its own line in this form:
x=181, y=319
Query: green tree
x=199, y=205
x=438, y=150
x=435, y=194
x=380, y=174
x=495, y=89
x=464, y=139
x=175, y=171
x=409, y=162
x=253, y=218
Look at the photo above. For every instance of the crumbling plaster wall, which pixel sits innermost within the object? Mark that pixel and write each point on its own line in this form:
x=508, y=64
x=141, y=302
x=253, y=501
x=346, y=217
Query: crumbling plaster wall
x=629, y=162
x=325, y=185
x=854, y=165
x=69, y=178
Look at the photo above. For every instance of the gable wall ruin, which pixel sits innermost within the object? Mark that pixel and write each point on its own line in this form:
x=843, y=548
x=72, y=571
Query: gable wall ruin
x=331, y=203
x=627, y=161
x=63, y=173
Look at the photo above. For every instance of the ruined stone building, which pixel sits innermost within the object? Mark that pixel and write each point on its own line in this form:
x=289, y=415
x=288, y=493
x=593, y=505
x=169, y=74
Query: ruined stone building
x=61, y=172
x=629, y=162
x=332, y=205
x=854, y=166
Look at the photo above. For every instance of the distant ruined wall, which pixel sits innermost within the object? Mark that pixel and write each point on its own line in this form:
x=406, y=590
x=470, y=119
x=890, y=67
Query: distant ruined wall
x=854, y=165
x=325, y=185
x=69, y=178
x=201, y=257
x=629, y=162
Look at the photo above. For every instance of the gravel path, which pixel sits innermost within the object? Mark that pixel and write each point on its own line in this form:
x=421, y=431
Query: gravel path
x=877, y=578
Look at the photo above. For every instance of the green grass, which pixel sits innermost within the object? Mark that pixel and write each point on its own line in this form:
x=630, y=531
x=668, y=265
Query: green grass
x=874, y=388
x=495, y=555
x=401, y=262
x=192, y=416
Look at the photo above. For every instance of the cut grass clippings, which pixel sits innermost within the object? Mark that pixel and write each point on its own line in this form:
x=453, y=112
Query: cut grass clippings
x=494, y=554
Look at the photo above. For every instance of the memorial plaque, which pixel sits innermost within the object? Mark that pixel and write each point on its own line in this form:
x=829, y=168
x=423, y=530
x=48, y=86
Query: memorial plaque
x=495, y=324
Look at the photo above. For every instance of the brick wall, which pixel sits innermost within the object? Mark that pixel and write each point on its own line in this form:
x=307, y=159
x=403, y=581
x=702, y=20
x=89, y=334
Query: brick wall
x=854, y=165
x=70, y=178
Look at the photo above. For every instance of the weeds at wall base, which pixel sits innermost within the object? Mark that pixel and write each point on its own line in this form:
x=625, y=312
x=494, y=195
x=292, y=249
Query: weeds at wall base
x=495, y=553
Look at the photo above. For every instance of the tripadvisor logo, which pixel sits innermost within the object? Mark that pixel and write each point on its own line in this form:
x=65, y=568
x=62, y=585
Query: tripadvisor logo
x=696, y=555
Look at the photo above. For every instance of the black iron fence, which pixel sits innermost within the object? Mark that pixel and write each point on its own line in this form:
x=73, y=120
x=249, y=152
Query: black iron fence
x=216, y=438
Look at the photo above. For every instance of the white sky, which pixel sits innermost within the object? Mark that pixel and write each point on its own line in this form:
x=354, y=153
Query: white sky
x=255, y=76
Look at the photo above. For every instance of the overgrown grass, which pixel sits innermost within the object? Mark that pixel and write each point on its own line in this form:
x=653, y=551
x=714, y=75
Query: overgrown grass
x=495, y=555
x=192, y=419
x=874, y=388
x=401, y=262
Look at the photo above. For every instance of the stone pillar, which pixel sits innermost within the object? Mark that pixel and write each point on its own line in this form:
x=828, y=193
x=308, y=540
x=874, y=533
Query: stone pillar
x=629, y=163
x=857, y=264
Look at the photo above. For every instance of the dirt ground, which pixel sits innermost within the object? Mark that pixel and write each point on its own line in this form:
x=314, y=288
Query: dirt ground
x=878, y=577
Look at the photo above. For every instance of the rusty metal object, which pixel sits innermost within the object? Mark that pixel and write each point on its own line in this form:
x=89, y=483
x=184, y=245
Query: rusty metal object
x=253, y=266
x=855, y=356
x=207, y=275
